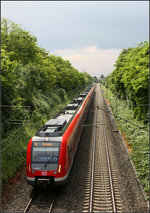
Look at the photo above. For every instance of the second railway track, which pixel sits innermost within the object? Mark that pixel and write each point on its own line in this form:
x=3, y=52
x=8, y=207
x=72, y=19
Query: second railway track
x=102, y=193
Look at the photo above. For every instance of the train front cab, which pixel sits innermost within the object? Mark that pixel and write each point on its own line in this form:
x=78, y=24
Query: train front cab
x=43, y=166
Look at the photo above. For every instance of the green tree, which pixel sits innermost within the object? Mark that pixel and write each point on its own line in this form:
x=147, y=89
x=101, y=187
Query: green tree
x=20, y=44
x=129, y=79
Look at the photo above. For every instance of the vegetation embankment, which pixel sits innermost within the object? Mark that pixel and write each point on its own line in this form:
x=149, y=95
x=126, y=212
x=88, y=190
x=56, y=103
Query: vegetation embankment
x=35, y=86
x=135, y=134
x=126, y=88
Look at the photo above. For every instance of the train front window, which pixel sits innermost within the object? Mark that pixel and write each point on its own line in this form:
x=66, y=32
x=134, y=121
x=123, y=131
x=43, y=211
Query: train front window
x=45, y=154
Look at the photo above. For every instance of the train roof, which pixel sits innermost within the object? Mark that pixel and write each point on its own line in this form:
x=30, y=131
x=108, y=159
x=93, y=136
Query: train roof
x=56, y=126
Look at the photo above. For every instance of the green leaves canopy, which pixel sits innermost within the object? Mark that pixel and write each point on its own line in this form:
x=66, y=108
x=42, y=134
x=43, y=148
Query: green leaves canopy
x=28, y=70
x=129, y=79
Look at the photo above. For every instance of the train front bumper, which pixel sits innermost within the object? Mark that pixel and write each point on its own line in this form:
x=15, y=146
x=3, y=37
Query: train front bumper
x=35, y=181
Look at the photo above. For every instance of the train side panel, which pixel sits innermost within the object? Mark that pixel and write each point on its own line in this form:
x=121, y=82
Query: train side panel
x=72, y=136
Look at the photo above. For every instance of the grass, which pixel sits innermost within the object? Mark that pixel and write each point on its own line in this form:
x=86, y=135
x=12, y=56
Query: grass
x=137, y=139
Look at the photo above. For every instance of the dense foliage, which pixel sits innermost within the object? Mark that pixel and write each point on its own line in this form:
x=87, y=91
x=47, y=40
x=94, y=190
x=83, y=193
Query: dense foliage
x=136, y=138
x=126, y=88
x=27, y=70
x=35, y=85
x=129, y=80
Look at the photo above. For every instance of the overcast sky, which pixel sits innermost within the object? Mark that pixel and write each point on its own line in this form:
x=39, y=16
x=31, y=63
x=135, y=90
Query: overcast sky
x=90, y=34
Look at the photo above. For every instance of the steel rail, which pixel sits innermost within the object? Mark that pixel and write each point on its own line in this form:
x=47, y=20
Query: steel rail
x=28, y=205
x=51, y=206
x=101, y=192
x=109, y=170
x=93, y=160
x=140, y=127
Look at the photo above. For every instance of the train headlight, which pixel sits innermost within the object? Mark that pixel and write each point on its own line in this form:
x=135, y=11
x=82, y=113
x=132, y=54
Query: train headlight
x=59, y=168
x=29, y=168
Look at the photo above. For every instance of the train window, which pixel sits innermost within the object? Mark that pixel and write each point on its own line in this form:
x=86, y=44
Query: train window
x=45, y=154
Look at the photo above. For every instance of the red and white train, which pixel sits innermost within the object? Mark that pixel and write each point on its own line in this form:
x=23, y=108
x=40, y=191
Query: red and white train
x=51, y=151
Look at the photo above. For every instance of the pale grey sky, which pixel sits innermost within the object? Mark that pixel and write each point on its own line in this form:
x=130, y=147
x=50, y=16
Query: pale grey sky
x=90, y=34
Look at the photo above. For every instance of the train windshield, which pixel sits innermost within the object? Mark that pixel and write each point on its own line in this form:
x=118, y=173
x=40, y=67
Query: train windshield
x=45, y=154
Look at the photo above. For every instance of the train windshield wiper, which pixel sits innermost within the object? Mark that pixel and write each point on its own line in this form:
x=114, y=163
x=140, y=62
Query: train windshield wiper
x=51, y=155
x=46, y=157
x=47, y=163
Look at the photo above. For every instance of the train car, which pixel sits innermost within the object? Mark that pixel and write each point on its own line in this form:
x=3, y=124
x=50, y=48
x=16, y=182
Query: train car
x=51, y=151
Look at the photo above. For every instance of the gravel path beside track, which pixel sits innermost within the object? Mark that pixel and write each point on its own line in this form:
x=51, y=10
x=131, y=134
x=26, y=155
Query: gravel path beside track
x=71, y=197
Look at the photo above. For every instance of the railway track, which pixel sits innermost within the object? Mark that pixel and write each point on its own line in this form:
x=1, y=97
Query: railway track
x=41, y=201
x=102, y=193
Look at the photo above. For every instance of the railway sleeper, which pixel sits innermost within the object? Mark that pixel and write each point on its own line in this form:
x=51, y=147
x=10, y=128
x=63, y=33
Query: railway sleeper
x=102, y=195
x=101, y=203
x=102, y=191
x=102, y=188
x=100, y=198
x=102, y=206
x=101, y=178
x=105, y=209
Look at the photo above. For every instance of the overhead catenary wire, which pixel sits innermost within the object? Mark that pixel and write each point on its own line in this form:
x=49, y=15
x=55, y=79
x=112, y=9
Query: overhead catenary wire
x=11, y=134
x=13, y=141
x=17, y=131
x=12, y=117
x=5, y=106
x=133, y=104
x=9, y=122
x=24, y=124
x=14, y=131
x=140, y=127
x=15, y=115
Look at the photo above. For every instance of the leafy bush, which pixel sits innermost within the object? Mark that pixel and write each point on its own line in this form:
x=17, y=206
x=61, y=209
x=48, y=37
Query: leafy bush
x=138, y=139
x=130, y=78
